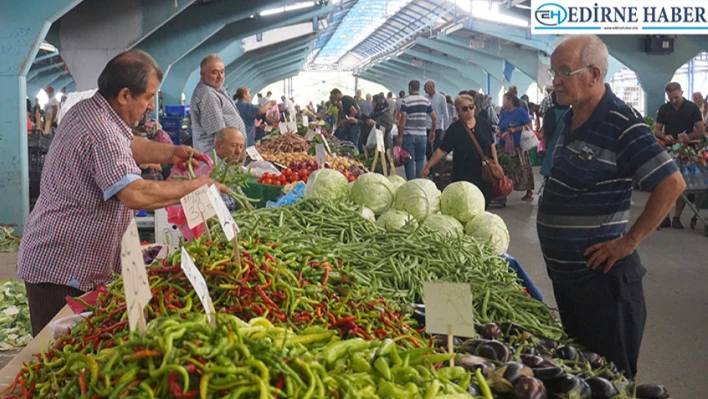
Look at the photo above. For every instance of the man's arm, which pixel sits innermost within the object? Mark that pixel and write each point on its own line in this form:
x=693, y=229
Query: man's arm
x=401, y=127
x=146, y=151
x=698, y=131
x=659, y=131
x=661, y=200
x=151, y=194
x=266, y=107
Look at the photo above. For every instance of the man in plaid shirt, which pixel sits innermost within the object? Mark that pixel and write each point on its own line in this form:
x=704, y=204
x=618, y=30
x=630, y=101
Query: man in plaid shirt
x=91, y=186
x=211, y=107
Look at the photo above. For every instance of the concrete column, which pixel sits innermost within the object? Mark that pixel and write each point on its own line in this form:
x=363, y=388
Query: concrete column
x=653, y=71
x=23, y=26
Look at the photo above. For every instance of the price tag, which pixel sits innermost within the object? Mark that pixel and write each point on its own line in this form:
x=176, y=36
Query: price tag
x=326, y=144
x=200, y=286
x=222, y=213
x=449, y=304
x=268, y=128
x=135, y=279
x=292, y=127
x=253, y=153
x=310, y=135
x=380, y=140
x=305, y=120
x=321, y=155
x=197, y=207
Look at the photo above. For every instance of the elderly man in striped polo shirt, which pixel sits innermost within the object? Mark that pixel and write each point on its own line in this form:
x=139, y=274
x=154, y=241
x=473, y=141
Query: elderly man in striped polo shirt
x=584, y=212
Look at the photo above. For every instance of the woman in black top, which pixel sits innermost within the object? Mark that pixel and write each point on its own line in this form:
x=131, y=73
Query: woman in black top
x=466, y=160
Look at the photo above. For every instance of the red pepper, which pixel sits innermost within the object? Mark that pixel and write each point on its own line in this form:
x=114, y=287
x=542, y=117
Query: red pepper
x=299, y=277
x=363, y=334
x=258, y=310
x=82, y=382
x=325, y=277
x=270, y=258
x=267, y=300
x=386, y=322
x=176, y=389
x=217, y=273
x=344, y=320
x=380, y=333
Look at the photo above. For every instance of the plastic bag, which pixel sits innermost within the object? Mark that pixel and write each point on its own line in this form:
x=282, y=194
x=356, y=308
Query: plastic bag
x=542, y=147
x=162, y=137
x=61, y=326
x=272, y=115
x=502, y=188
x=509, y=145
x=175, y=213
x=401, y=157
x=528, y=139
x=258, y=168
x=290, y=198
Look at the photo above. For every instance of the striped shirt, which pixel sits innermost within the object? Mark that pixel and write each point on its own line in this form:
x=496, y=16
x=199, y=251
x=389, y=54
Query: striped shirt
x=211, y=111
x=588, y=195
x=73, y=235
x=417, y=108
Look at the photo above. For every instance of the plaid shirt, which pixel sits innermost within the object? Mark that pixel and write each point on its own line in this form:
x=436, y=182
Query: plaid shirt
x=546, y=104
x=73, y=234
x=212, y=110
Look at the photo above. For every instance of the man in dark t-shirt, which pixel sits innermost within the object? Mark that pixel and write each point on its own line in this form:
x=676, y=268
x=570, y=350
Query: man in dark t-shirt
x=679, y=119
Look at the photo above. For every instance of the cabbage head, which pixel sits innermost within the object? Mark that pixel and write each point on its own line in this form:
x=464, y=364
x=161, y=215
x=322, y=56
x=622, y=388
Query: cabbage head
x=490, y=229
x=373, y=191
x=396, y=220
x=367, y=214
x=462, y=200
x=328, y=184
x=397, y=181
x=443, y=224
x=419, y=197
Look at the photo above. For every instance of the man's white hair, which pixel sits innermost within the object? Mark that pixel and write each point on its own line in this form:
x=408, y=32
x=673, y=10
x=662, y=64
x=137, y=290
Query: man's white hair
x=429, y=83
x=211, y=58
x=592, y=52
x=221, y=134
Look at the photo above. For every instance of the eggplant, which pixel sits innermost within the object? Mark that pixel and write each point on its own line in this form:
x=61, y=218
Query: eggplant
x=548, y=343
x=529, y=388
x=470, y=346
x=601, y=388
x=419, y=317
x=567, y=352
x=470, y=362
x=494, y=350
x=652, y=391
x=571, y=388
x=473, y=389
x=512, y=329
x=530, y=351
x=487, y=368
x=594, y=360
x=441, y=341
x=513, y=371
x=491, y=331
x=548, y=373
x=533, y=361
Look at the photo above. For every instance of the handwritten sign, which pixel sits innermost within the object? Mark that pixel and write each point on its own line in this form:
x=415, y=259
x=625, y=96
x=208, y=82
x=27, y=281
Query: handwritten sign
x=135, y=279
x=200, y=286
x=310, y=135
x=253, y=153
x=449, y=304
x=305, y=120
x=321, y=155
x=222, y=213
x=380, y=140
x=197, y=207
x=292, y=127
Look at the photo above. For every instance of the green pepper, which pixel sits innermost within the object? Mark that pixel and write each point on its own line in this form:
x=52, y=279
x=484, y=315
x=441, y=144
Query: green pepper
x=337, y=349
x=381, y=365
x=389, y=390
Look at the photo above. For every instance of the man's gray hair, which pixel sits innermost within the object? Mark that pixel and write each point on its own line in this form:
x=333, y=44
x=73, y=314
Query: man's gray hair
x=592, y=52
x=429, y=83
x=221, y=133
x=210, y=59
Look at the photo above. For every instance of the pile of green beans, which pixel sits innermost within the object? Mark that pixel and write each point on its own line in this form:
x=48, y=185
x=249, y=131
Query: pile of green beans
x=395, y=264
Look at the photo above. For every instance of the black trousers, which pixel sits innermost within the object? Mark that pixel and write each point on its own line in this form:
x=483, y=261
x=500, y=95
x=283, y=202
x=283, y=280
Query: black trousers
x=606, y=313
x=45, y=301
x=436, y=144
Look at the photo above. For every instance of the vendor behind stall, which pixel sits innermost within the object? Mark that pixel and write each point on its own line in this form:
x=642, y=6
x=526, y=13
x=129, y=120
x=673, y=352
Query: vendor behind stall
x=230, y=145
x=91, y=186
x=250, y=112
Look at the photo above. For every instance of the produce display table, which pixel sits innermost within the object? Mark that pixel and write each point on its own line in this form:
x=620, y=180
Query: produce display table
x=262, y=192
x=528, y=284
x=8, y=374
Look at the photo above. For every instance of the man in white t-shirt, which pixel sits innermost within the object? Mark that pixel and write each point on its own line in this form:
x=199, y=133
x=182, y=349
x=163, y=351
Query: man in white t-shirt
x=51, y=109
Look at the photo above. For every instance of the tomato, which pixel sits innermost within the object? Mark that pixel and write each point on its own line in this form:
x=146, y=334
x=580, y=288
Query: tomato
x=282, y=178
x=351, y=178
x=268, y=181
x=287, y=172
x=295, y=177
x=303, y=173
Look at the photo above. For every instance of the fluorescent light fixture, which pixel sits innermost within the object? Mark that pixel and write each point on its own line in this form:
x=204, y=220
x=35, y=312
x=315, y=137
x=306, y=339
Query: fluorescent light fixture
x=296, y=6
x=47, y=47
x=454, y=28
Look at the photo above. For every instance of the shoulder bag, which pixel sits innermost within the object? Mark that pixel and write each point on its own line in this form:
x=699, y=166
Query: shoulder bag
x=491, y=171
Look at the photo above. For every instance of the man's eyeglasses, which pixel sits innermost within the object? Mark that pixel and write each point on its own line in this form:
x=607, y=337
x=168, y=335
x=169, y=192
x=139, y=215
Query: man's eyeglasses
x=566, y=74
x=465, y=108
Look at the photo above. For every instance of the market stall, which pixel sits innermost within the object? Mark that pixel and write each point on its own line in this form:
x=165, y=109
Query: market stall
x=692, y=159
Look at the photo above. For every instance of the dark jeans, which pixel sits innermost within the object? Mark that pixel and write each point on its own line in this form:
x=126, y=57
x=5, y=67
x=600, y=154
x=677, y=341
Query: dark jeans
x=348, y=132
x=431, y=147
x=45, y=301
x=606, y=313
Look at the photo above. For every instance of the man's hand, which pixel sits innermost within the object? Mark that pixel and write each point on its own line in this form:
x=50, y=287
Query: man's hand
x=370, y=122
x=182, y=152
x=683, y=137
x=431, y=136
x=609, y=252
x=424, y=173
x=399, y=140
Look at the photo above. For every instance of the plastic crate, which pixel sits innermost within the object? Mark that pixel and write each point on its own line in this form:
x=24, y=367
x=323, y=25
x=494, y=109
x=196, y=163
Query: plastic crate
x=177, y=110
x=171, y=123
x=262, y=192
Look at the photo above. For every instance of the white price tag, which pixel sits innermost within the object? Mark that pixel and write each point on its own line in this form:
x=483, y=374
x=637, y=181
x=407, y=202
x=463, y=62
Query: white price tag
x=321, y=155
x=200, y=286
x=310, y=135
x=268, y=128
x=449, y=304
x=326, y=144
x=253, y=153
x=292, y=127
x=305, y=121
x=135, y=279
x=222, y=212
x=380, y=140
x=197, y=207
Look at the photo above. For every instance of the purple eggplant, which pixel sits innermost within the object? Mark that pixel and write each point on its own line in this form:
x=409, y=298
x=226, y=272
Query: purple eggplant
x=491, y=331
x=601, y=388
x=513, y=371
x=470, y=362
x=548, y=373
x=512, y=329
x=652, y=391
x=419, y=316
x=530, y=351
x=470, y=346
x=567, y=352
x=473, y=389
x=571, y=387
x=494, y=350
x=594, y=360
x=441, y=341
x=534, y=361
x=529, y=388
x=487, y=368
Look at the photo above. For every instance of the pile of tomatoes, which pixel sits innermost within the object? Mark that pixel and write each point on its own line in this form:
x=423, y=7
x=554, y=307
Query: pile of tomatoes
x=286, y=177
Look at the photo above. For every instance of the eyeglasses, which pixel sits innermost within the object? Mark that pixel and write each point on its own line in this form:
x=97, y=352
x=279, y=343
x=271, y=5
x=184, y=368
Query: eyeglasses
x=566, y=74
x=465, y=108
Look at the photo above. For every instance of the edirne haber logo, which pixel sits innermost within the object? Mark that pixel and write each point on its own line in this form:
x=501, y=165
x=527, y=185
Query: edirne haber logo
x=619, y=17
